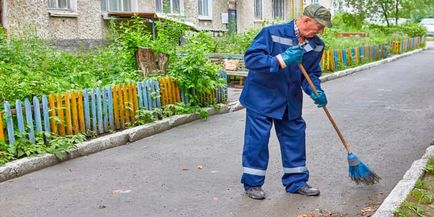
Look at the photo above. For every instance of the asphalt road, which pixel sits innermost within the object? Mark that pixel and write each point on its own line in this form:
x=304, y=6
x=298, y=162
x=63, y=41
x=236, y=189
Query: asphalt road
x=386, y=114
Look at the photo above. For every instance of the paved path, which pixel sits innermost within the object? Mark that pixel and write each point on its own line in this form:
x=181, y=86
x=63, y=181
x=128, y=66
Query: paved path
x=386, y=114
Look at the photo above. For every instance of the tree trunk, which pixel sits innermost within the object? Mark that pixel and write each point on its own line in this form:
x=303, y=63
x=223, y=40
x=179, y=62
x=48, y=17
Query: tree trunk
x=396, y=11
x=146, y=60
x=163, y=61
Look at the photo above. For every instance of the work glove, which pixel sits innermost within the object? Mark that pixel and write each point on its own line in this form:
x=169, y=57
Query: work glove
x=292, y=55
x=320, y=99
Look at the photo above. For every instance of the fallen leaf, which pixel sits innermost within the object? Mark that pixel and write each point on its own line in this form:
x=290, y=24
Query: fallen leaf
x=185, y=169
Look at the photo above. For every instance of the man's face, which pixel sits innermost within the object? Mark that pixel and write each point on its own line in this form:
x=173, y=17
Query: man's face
x=310, y=28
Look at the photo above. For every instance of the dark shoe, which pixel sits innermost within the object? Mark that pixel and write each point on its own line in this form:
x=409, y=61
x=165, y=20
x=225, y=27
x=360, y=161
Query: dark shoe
x=308, y=191
x=255, y=193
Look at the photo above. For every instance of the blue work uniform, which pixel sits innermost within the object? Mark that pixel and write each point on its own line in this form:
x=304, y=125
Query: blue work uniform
x=274, y=95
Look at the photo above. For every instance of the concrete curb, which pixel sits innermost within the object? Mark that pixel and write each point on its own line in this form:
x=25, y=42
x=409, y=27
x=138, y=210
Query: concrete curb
x=30, y=164
x=27, y=165
x=404, y=187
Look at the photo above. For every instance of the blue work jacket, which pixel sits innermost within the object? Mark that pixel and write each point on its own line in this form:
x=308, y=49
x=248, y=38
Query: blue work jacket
x=269, y=89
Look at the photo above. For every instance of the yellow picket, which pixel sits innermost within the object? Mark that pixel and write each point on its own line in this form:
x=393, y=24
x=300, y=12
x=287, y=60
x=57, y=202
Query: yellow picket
x=131, y=102
x=169, y=90
x=178, y=95
x=357, y=55
x=135, y=98
x=125, y=103
x=162, y=92
x=340, y=61
x=121, y=107
x=323, y=61
x=53, y=114
x=2, y=135
x=81, y=112
x=61, y=117
x=115, y=107
x=68, y=114
x=382, y=50
x=332, y=60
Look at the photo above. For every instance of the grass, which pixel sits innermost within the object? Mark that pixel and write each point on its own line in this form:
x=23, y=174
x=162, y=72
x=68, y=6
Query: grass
x=420, y=201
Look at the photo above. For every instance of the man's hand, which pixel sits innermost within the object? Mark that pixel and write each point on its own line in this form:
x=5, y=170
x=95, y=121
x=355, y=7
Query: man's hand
x=292, y=55
x=320, y=99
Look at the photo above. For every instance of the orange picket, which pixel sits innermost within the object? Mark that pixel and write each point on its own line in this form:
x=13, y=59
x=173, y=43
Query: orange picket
x=135, y=98
x=81, y=112
x=2, y=135
x=121, y=107
x=61, y=117
x=178, y=95
x=74, y=113
x=169, y=90
x=53, y=114
x=162, y=92
x=116, y=107
x=349, y=58
x=332, y=60
x=68, y=114
x=323, y=61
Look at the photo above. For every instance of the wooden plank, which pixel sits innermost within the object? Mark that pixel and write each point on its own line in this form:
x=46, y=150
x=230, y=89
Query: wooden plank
x=135, y=97
x=61, y=115
x=158, y=95
x=53, y=115
x=169, y=91
x=37, y=111
x=116, y=107
x=105, y=109
x=9, y=124
x=121, y=107
x=110, y=108
x=29, y=120
x=45, y=111
x=2, y=134
x=145, y=95
x=99, y=111
x=154, y=94
x=125, y=103
x=178, y=96
x=20, y=118
x=357, y=56
x=163, y=91
x=93, y=109
x=81, y=119
x=87, y=118
x=74, y=112
x=149, y=94
x=68, y=113
x=131, y=101
x=140, y=94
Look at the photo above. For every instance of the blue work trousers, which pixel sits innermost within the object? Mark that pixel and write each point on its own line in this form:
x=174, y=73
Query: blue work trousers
x=291, y=135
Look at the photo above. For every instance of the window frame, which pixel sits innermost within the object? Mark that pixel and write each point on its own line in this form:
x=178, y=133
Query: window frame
x=255, y=10
x=133, y=4
x=72, y=6
x=203, y=17
x=181, y=7
x=282, y=9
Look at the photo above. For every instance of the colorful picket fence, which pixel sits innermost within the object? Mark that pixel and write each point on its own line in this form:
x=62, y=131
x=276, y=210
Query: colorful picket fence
x=406, y=44
x=99, y=110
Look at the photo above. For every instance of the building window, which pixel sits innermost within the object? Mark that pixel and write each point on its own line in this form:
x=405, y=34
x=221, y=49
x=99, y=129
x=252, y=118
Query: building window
x=119, y=5
x=314, y=1
x=278, y=9
x=258, y=9
x=59, y=4
x=169, y=6
x=205, y=9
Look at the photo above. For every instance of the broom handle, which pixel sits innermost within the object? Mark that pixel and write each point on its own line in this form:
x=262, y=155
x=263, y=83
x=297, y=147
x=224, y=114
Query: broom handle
x=347, y=147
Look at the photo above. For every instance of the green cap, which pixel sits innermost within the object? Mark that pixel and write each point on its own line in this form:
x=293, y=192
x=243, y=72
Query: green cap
x=318, y=12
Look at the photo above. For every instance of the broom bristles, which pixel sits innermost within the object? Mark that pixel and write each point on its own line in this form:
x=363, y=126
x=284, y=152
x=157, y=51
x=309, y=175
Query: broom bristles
x=360, y=172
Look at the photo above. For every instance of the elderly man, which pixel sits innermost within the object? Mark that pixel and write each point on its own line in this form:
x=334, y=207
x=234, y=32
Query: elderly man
x=273, y=94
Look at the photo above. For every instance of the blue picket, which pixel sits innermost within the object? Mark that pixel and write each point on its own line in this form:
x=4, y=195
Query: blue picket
x=20, y=119
x=149, y=94
x=157, y=88
x=373, y=52
x=154, y=95
x=9, y=123
x=110, y=108
x=45, y=111
x=99, y=110
x=37, y=110
x=335, y=58
x=93, y=105
x=29, y=118
x=86, y=109
x=344, y=57
x=353, y=55
x=361, y=54
x=105, y=109
x=139, y=94
x=145, y=95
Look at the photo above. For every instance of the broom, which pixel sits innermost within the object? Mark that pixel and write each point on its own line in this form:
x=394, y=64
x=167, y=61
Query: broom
x=358, y=171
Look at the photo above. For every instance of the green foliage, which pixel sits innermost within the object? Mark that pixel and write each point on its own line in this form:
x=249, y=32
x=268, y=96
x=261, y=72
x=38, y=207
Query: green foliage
x=236, y=43
x=348, y=21
x=422, y=196
x=59, y=145
x=421, y=184
x=430, y=166
x=194, y=71
x=410, y=209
